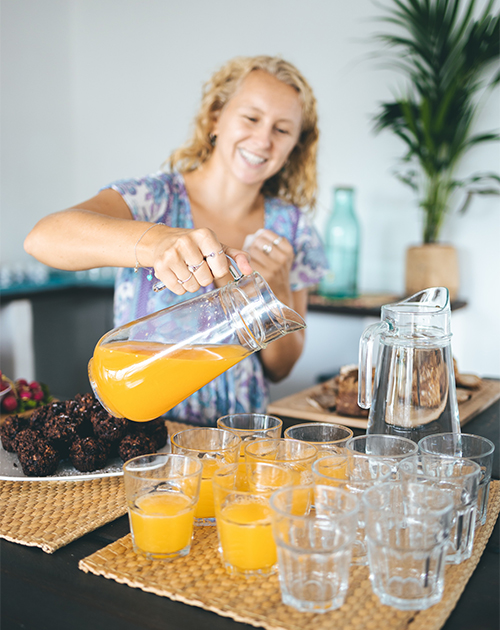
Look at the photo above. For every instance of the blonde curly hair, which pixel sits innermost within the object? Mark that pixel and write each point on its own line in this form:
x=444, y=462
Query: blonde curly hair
x=296, y=182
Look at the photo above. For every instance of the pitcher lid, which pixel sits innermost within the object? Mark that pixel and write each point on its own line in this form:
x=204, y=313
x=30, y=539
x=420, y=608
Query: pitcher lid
x=427, y=309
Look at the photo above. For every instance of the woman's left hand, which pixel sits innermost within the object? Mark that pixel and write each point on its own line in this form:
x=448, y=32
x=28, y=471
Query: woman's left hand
x=272, y=256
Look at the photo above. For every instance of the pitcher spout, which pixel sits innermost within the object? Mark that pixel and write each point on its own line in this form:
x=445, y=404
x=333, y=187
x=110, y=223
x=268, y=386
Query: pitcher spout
x=258, y=316
x=286, y=321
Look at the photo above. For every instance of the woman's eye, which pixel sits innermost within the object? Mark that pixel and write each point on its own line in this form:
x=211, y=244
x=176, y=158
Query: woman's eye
x=284, y=131
x=251, y=118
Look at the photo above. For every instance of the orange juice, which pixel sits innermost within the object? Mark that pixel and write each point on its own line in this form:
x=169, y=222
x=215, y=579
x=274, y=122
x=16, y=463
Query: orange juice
x=246, y=536
x=162, y=522
x=205, y=507
x=141, y=380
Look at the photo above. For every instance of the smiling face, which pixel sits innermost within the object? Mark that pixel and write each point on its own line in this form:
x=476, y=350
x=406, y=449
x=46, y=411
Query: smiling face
x=258, y=128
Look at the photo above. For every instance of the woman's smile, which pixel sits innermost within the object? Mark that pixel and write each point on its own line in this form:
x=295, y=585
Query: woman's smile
x=251, y=158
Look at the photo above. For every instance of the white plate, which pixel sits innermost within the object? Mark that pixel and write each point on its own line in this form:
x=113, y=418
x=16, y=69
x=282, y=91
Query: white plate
x=10, y=469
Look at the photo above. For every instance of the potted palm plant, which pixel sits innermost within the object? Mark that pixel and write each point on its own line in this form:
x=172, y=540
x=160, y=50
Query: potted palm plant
x=447, y=56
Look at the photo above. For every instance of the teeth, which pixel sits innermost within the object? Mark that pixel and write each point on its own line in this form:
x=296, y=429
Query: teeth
x=251, y=158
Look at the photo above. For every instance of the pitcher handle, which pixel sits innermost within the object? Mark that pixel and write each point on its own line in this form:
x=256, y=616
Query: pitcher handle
x=233, y=268
x=366, y=362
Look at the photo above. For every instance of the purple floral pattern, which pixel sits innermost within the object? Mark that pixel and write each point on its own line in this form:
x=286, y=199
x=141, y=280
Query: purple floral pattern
x=162, y=197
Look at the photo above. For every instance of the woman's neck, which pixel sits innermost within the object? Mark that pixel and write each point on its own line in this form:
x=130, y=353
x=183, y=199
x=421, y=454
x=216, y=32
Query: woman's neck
x=211, y=191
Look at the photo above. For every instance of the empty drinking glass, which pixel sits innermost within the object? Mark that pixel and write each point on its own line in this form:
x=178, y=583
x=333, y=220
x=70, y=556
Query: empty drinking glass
x=327, y=437
x=296, y=455
x=407, y=532
x=389, y=448
x=460, y=479
x=473, y=447
x=251, y=426
x=314, y=528
x=355, y=475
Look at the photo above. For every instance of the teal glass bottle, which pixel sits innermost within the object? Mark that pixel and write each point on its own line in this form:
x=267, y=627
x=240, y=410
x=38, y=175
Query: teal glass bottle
x=342, y=247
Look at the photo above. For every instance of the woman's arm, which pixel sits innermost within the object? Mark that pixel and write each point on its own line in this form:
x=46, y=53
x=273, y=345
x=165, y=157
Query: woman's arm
x=281, y=355
x=101, y=232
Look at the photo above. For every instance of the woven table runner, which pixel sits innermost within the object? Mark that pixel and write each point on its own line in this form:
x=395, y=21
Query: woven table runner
x=50, y=514
x=199, y=579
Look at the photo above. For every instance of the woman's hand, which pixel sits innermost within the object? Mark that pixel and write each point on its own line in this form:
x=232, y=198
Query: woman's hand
x=185, y=260
x=272, y=256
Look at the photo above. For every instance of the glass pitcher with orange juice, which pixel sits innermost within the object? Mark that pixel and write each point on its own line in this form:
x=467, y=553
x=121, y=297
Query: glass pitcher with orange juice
x=144, y=368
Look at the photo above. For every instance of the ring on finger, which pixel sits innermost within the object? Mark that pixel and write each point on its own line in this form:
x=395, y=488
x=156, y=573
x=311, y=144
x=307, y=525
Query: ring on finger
x=184, y=281
x=277, y=240
x=214, y=254
x=267, y=248
x=193, y=268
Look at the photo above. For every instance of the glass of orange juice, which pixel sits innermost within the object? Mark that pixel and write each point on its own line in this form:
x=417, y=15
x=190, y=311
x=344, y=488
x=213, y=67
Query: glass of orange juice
x=296, y=455
x=251, y=426
x=213, y=448
x=243, y=515
x=162, y=493
x=327, y=437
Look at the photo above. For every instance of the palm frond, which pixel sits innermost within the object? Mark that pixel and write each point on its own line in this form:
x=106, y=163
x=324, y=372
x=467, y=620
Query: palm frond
x=445, y=53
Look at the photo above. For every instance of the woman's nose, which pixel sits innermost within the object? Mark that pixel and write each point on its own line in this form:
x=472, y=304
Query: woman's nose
x=263, y=135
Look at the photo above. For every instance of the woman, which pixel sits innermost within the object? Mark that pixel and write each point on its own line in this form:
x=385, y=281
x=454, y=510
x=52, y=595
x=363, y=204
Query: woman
x=238, y=184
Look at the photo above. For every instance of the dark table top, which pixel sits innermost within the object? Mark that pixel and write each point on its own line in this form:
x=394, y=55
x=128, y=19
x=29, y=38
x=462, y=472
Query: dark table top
x=48, y=592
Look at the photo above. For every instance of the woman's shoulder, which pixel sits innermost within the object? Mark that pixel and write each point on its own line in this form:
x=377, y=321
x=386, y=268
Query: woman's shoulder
x=159, y=182
x=153, y=197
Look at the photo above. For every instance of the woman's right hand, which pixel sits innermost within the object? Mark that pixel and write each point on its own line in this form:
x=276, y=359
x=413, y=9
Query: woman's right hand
x=185, y=260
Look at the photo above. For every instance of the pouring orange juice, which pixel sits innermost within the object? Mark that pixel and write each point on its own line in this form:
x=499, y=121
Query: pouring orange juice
x=142, y=369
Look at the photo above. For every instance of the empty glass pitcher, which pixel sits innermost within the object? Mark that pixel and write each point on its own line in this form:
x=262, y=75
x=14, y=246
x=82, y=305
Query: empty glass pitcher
x=414, y=391
x=144, y=368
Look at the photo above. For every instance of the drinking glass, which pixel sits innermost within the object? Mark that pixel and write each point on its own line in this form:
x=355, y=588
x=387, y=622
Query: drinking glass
x=243, y=515
x=214, y=448
x=389, y=448
x=314, y=528
x=296, y=455
x=407, y=532
x=327, y=437
x=162, y=491
x=355, y=475
x=251, y=426
x=473, y=447
x=460, y=479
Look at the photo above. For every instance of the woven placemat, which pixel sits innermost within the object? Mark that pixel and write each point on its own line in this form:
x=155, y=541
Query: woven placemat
x=200, y=580
x=50, y=514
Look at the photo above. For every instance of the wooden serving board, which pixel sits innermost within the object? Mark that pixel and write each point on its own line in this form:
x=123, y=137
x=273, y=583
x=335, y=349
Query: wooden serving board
x=297, y=406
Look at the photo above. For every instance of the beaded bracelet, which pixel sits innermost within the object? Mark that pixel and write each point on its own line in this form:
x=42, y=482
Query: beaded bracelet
x=137, y=263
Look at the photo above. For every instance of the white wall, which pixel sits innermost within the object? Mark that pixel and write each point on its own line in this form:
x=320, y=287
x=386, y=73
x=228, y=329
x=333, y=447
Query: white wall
x=94, y=90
